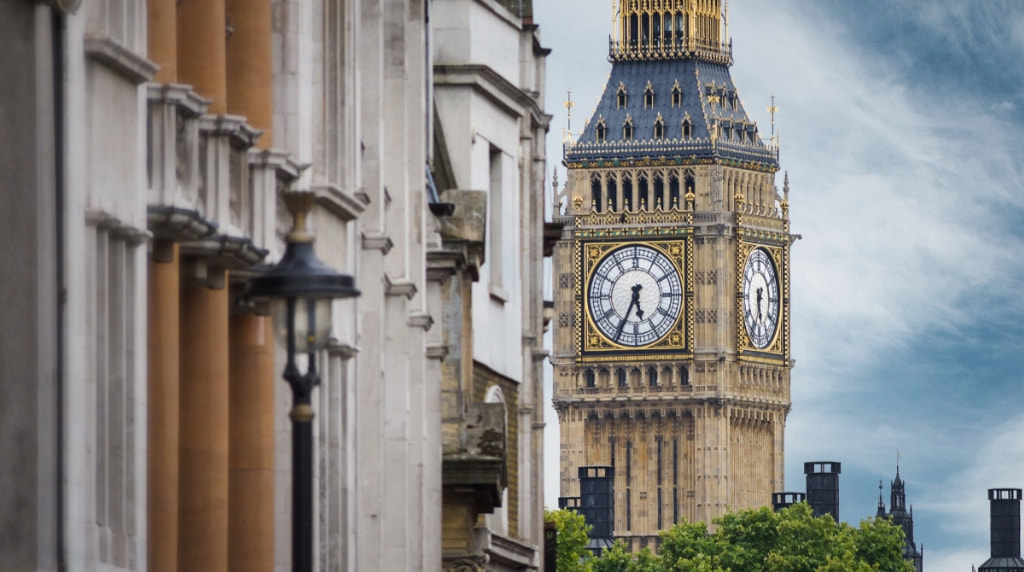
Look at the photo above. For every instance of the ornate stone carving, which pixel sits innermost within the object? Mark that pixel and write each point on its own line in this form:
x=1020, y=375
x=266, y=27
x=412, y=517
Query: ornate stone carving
x=467, y=564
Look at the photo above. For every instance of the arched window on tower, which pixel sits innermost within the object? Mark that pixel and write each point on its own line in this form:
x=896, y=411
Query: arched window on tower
x=642, y=191
x=684, y=375
x=613, y=192
x=590, y=378
x=673, y=191
x=623, y=377
x=621, y=96
x=656, y=32
x=679, y=33
x=677, y=95
x=687, y=127
x=652, y=376
x=601, y=131
x=649, y=96
x=627, y=128
x=659, y=189
x=659, y=127
x=595, y=192
x=627, y=191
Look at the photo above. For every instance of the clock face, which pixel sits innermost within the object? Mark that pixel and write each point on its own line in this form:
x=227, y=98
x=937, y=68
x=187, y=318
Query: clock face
x=635, y=295
x=760, y=298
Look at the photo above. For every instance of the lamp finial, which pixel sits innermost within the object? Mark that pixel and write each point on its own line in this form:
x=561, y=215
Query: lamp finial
x=299, y=203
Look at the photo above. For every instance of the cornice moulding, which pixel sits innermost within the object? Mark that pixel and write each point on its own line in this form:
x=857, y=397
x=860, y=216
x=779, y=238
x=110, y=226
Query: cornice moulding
x=118, y=58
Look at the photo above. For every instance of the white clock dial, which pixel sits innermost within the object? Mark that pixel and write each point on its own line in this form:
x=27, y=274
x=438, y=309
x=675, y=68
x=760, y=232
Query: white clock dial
x=760, y=298
x=635, y=295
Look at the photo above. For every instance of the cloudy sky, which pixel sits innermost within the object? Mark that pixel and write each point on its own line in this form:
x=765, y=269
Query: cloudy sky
x=902, y=129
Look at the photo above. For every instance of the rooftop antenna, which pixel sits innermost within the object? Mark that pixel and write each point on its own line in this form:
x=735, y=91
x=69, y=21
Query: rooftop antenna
x=725, y=23
x=568, y=115
x=772, y=109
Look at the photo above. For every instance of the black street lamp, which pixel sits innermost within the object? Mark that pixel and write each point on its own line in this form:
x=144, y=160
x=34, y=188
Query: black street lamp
x=300, y=288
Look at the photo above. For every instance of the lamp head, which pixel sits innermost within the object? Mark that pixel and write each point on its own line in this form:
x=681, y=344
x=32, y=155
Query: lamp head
x=302, y=277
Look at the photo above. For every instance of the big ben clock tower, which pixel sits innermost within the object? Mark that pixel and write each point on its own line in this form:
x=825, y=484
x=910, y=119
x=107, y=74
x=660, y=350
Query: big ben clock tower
x=671, y=279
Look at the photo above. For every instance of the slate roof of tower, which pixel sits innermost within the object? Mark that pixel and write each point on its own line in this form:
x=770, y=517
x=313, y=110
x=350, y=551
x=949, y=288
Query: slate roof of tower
x=1003, y=564
x=698, y=81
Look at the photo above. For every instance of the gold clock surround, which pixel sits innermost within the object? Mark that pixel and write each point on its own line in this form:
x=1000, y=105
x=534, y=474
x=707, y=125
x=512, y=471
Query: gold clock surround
x=777, y=351
x=593, y=345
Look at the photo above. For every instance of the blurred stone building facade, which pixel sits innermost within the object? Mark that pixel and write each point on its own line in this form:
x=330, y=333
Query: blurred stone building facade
x=146, y=148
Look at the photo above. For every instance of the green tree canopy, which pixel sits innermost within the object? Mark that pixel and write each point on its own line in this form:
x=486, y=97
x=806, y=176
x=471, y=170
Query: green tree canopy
x=756, y=540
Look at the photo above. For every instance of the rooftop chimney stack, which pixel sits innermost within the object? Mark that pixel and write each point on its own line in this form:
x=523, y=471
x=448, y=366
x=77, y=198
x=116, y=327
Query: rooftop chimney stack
x=1004, y=507
x=786, y=500
x=823, y=487
x=597, y=505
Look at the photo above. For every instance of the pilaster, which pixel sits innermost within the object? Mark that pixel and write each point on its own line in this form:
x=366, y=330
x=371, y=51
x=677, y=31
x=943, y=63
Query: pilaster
x=204, y=399
x=163, y=407
x=251, y=444
x=250, y=73
x=202, y=50
x=162, y=35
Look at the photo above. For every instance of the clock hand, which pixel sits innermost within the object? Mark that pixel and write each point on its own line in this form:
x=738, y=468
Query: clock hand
x=636, y=300
x=622, y=324
x=759, y=290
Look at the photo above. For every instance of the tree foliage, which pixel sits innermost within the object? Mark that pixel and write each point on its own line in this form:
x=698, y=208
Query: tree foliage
x=572, y=532
x=756, y=540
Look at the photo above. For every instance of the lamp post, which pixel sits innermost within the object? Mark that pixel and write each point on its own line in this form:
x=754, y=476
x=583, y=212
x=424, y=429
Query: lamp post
x=300, y=288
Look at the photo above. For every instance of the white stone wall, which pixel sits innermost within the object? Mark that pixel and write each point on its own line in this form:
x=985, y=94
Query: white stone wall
x=106, y=237
x=353, y=102
x=486, y=75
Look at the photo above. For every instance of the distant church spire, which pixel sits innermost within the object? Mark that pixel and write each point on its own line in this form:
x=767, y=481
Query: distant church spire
x=901, y=517
x=880, y=513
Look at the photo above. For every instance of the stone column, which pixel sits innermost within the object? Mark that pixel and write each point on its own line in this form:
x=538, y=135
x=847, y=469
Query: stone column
x=163, y=38
x=203, y=478
x=162, y=458
x=202, y=50
x=250, y=72
x=29, y=331
x=251, y=458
